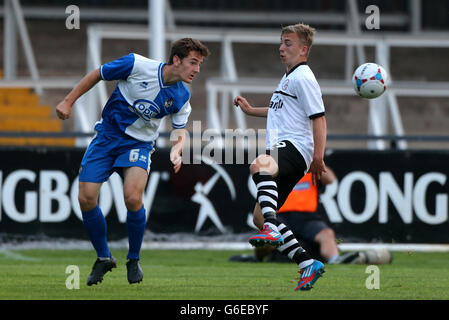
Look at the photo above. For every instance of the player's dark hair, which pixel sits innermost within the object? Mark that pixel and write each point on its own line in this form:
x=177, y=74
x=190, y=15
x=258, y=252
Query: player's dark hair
x=182, y=48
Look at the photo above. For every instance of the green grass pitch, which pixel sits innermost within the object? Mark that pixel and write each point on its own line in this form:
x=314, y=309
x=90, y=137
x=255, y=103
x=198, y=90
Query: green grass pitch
x=208, y=275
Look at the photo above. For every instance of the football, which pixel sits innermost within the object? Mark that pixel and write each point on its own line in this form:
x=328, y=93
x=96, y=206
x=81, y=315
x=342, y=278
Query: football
x=370, y=80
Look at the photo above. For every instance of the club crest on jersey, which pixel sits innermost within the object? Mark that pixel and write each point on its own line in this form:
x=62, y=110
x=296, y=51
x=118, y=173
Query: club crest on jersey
x=146, y=109
x=168, y=103
x=285, y=84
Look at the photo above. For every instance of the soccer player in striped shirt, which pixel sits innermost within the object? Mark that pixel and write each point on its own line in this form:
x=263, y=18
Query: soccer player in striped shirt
x=296, y=138
x=146, y=91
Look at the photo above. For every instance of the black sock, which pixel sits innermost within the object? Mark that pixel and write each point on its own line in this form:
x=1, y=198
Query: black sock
x=267, y=195
x=291, y=247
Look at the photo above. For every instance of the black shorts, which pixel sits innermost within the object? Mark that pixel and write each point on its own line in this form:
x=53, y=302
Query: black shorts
x=292, y=167
x=304, y=225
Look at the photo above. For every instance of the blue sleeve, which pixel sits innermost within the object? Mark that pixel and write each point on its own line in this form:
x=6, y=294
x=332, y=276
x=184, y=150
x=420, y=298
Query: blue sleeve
x=179, y=119
x=118, y=69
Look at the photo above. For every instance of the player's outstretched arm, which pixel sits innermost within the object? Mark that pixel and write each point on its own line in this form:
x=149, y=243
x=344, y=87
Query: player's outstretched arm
x=64, y=108
x=248, y=109
x=317, y=167
x=178, y=136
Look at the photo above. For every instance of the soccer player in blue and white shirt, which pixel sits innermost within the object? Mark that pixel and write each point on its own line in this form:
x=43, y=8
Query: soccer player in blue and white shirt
x=146, y=91
x=296, y=138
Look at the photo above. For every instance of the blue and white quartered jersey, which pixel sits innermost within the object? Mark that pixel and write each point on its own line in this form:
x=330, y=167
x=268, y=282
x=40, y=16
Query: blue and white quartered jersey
x=141, y=99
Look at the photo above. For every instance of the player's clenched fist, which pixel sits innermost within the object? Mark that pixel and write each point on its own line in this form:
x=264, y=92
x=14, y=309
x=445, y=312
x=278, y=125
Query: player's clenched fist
x=63, y=110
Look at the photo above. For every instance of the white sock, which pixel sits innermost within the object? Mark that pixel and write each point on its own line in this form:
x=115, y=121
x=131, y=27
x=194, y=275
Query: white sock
x=305, y=264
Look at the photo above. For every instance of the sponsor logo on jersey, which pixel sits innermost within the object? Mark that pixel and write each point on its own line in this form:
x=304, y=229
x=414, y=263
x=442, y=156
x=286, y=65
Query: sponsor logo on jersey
x=146, y=109
x=276, y=103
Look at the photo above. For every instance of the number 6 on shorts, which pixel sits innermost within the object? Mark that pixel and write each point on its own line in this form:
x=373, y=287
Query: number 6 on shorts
x=134, y=155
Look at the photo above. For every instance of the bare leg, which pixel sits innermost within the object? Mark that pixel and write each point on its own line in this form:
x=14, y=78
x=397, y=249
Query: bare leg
x=88, y=195
x=326, y=240
x=135, y=180
x=258, y=218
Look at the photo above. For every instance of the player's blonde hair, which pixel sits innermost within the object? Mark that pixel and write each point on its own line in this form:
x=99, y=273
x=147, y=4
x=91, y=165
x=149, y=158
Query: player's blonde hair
x=304, y=32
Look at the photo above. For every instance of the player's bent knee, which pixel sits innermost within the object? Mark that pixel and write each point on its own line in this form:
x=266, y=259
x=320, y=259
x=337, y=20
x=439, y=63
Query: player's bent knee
x=325, y=235
x=88, y=195
x=330, y=233
x=87, y=202
x=254, y=168
x=133, y=201
x=263, y=163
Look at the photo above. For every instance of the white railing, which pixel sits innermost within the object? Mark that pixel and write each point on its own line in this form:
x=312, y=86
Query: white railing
x=229, y=85
x=14, y=22
x=381, y=109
